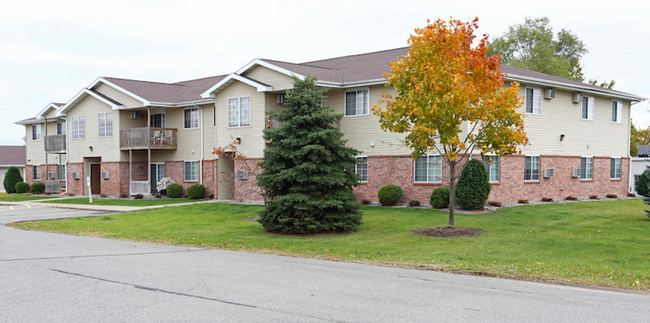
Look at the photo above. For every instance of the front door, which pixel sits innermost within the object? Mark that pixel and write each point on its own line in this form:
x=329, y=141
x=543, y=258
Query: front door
x=95, y=178
x=157, y=173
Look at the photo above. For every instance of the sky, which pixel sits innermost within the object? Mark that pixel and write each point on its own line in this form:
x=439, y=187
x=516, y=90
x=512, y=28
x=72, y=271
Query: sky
x=51, y=50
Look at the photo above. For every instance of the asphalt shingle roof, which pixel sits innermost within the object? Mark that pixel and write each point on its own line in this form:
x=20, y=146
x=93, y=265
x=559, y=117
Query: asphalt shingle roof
x=12, y=155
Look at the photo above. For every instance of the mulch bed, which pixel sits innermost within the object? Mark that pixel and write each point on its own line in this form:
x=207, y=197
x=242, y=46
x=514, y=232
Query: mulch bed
x=447, y=232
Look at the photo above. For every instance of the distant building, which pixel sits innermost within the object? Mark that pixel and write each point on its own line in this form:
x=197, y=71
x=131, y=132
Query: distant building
x=11, y=156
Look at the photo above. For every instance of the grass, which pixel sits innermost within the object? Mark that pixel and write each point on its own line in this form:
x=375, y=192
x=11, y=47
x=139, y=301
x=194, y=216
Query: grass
x=15, y=197
x=122, y=202
x=603, y=243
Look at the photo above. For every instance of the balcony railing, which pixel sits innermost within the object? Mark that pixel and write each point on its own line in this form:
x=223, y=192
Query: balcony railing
x=157, y=138
x=55, y=144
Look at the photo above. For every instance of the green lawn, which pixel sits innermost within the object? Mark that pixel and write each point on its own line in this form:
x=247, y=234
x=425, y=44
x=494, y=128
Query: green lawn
x=15, y=197
x=604, y=243
x=123, y=202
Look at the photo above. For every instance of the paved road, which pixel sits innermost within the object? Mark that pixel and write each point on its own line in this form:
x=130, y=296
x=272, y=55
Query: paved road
x=46, y=277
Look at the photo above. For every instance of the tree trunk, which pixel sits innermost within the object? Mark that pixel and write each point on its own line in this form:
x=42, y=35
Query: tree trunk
x=452, y=192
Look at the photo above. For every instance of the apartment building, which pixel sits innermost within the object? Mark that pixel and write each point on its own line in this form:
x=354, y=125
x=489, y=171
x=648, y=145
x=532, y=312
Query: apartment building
x=126, y=135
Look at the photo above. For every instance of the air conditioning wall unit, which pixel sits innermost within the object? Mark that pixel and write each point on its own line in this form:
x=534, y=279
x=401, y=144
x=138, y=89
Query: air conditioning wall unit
x=575, y=172
x=104, y=175
x=137, y=115
x=51, y=175
x=75, y=175
x=282, y=98
x=577, y=97
x=242, y=174
x=549, y=93
x=548, y=172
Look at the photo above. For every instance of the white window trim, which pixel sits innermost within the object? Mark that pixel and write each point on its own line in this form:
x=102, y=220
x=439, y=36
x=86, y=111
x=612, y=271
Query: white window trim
x=590, y=107
x=619, y=112
x=239, y=122
x=498, y=168
x=40, y=132
x=198, y=173
x=345, y=103
x=106, y=127
x=585, y=171
x=198, y=119
x=164, y=119
x=40, y=173
x=620, y=167
x=367, y=169
x=64, y=176
x=427, y=181
x=537, y=101
x=79, y=134
x=64, y=126
x=539, y=168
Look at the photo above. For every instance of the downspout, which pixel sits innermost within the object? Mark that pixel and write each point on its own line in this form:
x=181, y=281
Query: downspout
x=67, y=146
x=202, y=144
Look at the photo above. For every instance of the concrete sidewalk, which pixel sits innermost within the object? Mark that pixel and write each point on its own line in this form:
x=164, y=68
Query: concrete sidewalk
x=103, y=208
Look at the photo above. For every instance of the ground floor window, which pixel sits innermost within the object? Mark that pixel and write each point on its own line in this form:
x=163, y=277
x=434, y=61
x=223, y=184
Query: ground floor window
x=492, y=166
x=37, y=172
x=361, y=168
x=191, y=171
x=428, y=169
x=531, y=168
x=62, y=173
x=586, y=168
x=615, y=169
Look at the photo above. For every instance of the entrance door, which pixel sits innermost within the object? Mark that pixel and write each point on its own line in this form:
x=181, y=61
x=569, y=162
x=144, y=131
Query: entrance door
x=95, y=178
x=157, y=173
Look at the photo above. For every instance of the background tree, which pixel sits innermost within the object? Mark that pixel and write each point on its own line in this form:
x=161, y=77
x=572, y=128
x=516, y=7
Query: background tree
x=308, y=172
x=444, y=84
x=533, y=46
x=12, y=176
x=638, y=137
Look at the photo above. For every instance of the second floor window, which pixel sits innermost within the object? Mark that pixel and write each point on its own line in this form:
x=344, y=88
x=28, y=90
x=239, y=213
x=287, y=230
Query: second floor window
x=61, y=128
x=617, y=111
x=587, y=108
x=191, y=118
x=36, y=132
x=105, y=124
x=239, y=112
x=357, y=103
x=533, y=101
x=78, y=127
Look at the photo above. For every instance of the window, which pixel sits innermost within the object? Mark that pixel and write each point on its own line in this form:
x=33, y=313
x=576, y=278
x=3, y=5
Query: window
x=61, y=128
x=37, y=172
x=191, y=171
x=533, y=100
x=36, y=132
x=158, y=120
x=492, y=167
x=615, y=169
x=214, y=115
x=636, y=180
x=586, y=168
x=191, y=118
x=361, y=168
x=587, y=108
x=239, y=112
x=105, y=124
x=78, y=127
x=617, y=111
x=357, y=103
x=531, y=168
x=62, y=174
x=428, y=169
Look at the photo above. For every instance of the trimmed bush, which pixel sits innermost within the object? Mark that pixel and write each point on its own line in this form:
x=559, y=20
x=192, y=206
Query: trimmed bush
x=473, y=186
x=38, y=188
x=641, y=185
x=22, y=187
x=12, y=177
x=389, y=194
x=138, y=197
x=196, y=192
x=414, y=203
x=439, y=198
x=174, y=190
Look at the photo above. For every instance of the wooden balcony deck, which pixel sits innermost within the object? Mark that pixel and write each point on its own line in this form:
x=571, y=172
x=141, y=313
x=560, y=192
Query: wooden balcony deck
x=55, y=144
x=158, y=138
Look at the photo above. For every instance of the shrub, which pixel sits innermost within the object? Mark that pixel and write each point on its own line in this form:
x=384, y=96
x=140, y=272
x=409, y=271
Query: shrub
x=643, y=182
x=389, y=194
x=196, y=192
x=365, y=202
x=21, y=187
x=123, y=196
x=547, y=199
x=494, y=203
x=211, y=196
x=612, y=196
x=158, y=196
x=522, y=201
x=571, y=198
x=593, y=197
x=414, y=203
x=12, y=177
x=473, y=186
x=174, y=190
x=138, y=197
x=38, y=188
x=103, y=195
x=439, y=198
x=631, y=195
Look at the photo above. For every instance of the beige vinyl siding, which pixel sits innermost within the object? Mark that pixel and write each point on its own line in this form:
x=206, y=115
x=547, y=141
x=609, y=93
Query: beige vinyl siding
x=598, y=137
x=270, y=77
x=108, y=148
x=34, y=149
x=125, y=100
x=252, y=143
x=50, y=114
x=364, y=131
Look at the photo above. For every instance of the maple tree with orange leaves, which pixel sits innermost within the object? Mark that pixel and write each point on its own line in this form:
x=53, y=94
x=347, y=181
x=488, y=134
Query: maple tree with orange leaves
x=451, y=98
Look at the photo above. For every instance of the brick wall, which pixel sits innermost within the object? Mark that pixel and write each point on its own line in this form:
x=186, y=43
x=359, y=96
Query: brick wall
x=75, y=186
x=247, y=189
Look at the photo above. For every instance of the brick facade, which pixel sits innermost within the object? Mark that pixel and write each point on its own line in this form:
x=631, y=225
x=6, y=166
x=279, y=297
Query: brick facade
x=247, y=189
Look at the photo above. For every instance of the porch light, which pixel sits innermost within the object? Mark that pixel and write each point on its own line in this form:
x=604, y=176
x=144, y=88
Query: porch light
x=562, y=137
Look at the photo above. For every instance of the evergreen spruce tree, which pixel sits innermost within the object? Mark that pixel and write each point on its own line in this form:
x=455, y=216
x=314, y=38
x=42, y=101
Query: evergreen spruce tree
x=12, y=176
x=308, y=170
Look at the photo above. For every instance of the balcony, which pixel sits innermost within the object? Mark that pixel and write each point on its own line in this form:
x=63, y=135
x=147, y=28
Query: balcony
x=157, y=138
x=55, y=144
